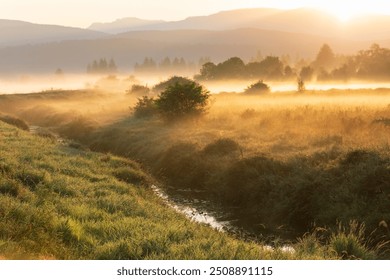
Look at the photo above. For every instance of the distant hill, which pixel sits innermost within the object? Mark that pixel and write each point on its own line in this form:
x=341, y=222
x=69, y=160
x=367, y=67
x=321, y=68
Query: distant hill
x=125, y=25
x=34, y=48
x=128, y=48
x=306, y=21
x=13, y=32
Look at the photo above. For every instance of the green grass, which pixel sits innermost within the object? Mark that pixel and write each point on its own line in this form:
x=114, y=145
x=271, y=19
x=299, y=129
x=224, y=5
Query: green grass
x=285, y=162
x=57, y=202
x=287, y=165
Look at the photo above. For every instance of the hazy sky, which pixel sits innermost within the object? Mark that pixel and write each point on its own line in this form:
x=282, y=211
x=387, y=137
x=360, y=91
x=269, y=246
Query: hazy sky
x=82, y=13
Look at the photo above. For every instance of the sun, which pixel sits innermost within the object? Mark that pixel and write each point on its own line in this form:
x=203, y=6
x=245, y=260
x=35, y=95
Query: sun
x=343, y=15
x=344, y=11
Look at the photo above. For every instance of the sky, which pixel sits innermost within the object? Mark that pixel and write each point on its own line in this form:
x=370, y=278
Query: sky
x=81, y=13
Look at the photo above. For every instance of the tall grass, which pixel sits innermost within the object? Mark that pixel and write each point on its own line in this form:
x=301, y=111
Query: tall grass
x=279, y=161
x=57, y=202
x=282, y=162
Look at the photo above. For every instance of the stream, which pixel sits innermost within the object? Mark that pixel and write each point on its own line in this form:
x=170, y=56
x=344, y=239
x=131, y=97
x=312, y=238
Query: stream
x=195, y=209
x=194, y=205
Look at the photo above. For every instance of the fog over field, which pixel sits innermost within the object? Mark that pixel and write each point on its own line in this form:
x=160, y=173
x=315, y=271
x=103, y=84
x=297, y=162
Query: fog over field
x=257, y=133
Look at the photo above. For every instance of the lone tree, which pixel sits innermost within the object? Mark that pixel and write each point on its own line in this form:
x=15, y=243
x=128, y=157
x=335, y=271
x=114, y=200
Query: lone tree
x=171, y=81
x=258, y=88
x=325, y=58
x=300, y=85
x=182, y=100
x=145, y=107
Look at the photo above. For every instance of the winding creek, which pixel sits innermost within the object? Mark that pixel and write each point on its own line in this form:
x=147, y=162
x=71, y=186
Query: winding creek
x=199, y=210
x=196, y=208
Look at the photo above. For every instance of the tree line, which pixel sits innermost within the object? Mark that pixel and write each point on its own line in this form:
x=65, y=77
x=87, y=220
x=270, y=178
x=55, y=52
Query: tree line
x=373, y=64
x=102, y=66
x=150, y=65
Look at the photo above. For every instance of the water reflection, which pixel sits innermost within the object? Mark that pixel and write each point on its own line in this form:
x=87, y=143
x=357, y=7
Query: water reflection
x=189, y=203
x=194, y=209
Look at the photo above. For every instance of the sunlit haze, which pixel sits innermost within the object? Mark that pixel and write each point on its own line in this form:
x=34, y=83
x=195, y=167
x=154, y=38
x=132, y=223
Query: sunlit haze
x=83, y=13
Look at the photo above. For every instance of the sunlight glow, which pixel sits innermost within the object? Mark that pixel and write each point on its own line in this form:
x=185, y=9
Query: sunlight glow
x=343, y=15
x=343, y=11
x=83, y=13
x=347, y=10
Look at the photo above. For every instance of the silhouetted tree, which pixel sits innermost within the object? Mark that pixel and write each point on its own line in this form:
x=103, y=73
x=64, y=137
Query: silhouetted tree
x=207, y=72
x=234, y=67
x=165, y=64
x=203, y=60
x=182, y=100
x=148, y=65
x=273, y=66
x=138, y=90
x=171, y=81
x=145, y=107
x=59, y=72
x=325, y=58
x=102, y=67
x=288, y=72
x=306, y=73
x=112, y=66
x=300, y=85
x=257, y=88
x=373, y=63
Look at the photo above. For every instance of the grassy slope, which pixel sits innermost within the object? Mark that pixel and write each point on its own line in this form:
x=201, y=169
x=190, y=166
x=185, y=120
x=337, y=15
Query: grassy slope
x=62, y=203
x=297, y=164
x=318, y=128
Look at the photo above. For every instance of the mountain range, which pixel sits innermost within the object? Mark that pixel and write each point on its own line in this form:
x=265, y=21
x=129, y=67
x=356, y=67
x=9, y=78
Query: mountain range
x=38, y=48
x=15, y=32
x=306, y=21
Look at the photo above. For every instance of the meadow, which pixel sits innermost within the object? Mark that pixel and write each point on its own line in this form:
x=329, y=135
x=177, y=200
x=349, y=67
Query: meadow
x=311, y=170
x=58, y=202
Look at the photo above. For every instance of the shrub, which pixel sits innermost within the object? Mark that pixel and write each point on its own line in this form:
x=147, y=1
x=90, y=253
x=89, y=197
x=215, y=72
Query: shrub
x=78, y=129
x=257, y=88
x=351, y=243
x=182, y=166
x=357, y=157
x=221, y=147
x=145, y=107
x=183, y=100
x=170, y=82
x=248, y=113
x=15, y=122
x=300, y=85
x=139, y=90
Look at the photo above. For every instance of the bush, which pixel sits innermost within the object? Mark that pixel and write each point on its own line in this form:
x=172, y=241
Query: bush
x=257, y=88
x=182, y=166
x=170, y=82
x=78, y=129
x=15, y=122
x=300, y=85
x=139, y=90
x=145, y=107
x=248, y=113
x=351, y=243
x=183, y=100
x=221, y=147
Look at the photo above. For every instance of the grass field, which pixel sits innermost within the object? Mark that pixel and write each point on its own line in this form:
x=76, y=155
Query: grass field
x=317, y=162
x=58, y=202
